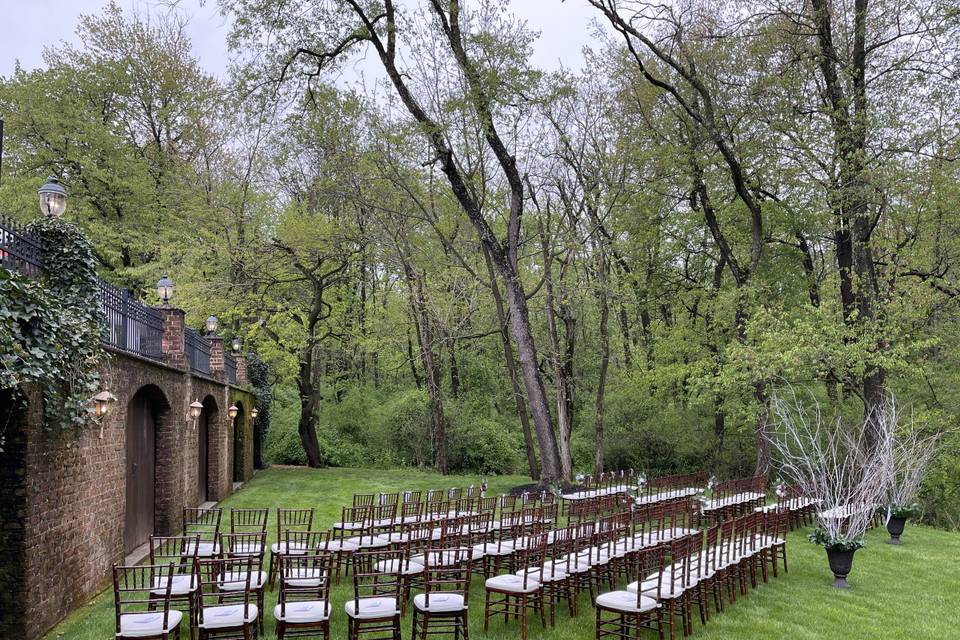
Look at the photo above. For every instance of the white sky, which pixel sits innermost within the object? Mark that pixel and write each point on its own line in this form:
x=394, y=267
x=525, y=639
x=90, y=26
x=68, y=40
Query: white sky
x=27, y=26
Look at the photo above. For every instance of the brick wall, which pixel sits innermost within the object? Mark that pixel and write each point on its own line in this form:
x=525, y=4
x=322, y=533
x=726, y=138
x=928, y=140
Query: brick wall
x=72, y=497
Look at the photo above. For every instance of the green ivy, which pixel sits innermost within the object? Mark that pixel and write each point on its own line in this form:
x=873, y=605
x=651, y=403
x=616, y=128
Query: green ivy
x=839, y=543
x=258, y=373
x=50, y=329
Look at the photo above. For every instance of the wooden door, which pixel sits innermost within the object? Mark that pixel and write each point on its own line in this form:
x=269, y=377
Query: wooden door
x=202, y=461
x=141, y=470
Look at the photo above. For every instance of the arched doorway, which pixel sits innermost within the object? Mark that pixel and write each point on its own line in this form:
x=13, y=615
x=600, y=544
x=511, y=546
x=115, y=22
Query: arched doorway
x=207, y=417
x=238, y=429
x=143, y=416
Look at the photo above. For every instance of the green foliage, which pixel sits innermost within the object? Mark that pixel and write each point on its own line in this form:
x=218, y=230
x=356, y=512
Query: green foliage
x=258, y=373
x=842, y=543
x=906, y=511
x=50, y=332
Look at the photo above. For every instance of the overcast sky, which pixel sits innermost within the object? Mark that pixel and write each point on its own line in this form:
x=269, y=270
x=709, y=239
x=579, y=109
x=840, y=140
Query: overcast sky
x=30, y=25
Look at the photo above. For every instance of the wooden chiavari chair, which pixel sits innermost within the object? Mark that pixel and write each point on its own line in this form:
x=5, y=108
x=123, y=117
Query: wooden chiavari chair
x=204, y=523
x=287, y=520
x=374, y=608
x=442, y=607
x=303, y=605
x=518, y=592
x=180, y=552
x=142, y=596
x=226, y=614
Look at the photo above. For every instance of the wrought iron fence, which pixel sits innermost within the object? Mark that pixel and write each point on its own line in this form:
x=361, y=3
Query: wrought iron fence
x=230, y=366
x=198, y=351
x=19, y=251
x=129, y=324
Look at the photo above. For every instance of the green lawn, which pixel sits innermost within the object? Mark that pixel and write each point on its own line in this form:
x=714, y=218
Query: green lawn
x=899, y=592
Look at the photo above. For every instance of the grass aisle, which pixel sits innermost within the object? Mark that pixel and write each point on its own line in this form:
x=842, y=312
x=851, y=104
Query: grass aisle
x=911, y=591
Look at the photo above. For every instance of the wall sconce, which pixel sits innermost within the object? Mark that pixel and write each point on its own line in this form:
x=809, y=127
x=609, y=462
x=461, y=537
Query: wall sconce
x=101, y=406
x=195, y=409
x=254, y=413
x=233, y=411
x=102, y=402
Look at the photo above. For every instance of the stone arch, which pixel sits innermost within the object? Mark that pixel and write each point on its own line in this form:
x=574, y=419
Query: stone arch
x=239, y=429
x=207, y=449
x=147, y=457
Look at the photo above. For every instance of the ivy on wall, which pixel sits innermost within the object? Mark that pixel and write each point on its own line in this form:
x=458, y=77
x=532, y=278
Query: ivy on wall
x=50, y=329
x=258, y=373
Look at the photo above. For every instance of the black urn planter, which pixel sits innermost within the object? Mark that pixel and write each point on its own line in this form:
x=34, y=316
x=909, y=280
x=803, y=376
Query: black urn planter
x=841, y=560
x=895, y=529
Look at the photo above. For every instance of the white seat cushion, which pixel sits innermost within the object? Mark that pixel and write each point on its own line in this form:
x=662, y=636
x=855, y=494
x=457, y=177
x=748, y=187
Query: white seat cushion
x=182, y=585
x=304, y=577
x=552, y=574
x=141, y=625
x=208, y=549
x=225, y=616
x=280, y=548
x=649, y=588
x=441, y=558
x=493, y=549
x=626, y=601
x=369, y=542
x=575, y=564
x=399, y=566
x=512, y=584
x=372, y=608
x=344, y=546
x=237, y=580
x=439, y=602
x=303, y=612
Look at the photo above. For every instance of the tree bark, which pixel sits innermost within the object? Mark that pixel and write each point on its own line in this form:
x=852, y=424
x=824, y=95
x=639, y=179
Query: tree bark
x=604, y=361
x=518, y=398
x=309, y=402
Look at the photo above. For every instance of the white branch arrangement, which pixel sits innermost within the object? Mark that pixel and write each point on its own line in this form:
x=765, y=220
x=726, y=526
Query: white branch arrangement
x=903, y=454
x=834, y=465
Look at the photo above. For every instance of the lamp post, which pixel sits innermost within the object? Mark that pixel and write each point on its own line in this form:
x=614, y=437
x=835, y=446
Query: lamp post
x=53, y=198
x=235, y=344
x=232, y=411
x=165, y=289
x=211, y=325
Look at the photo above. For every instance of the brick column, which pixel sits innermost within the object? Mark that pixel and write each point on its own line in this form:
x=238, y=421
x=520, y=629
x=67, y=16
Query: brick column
x=241, y=369
x=172, y=343
x=216, y=357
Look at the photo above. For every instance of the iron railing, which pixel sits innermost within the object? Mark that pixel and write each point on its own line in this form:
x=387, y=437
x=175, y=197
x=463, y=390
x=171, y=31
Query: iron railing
x=230, y=366
x=19, y=251
x=198, y=351
x=129, y=324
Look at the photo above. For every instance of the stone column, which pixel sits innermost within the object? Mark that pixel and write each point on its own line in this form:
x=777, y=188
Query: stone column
x=172, y=342
x=216, y=358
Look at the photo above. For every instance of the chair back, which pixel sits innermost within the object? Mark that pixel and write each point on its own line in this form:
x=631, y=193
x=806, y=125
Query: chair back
x=293, y=519
x=304, y=578
x=249, y=520
x=144, y=590
x=240, y=545
x=651, y=561
x=447, y=571
x=204, y=523
x=363, y=499
x=306, y=541
x=377, y=575
x=181, y=551
x=213, y=573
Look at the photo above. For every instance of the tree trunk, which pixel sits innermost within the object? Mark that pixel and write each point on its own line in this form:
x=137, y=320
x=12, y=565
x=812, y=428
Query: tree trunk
x=533, y=382
x=558, y=362
x=518, y=398
x=431, y=366
x=307, y=424
x=604, y=362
